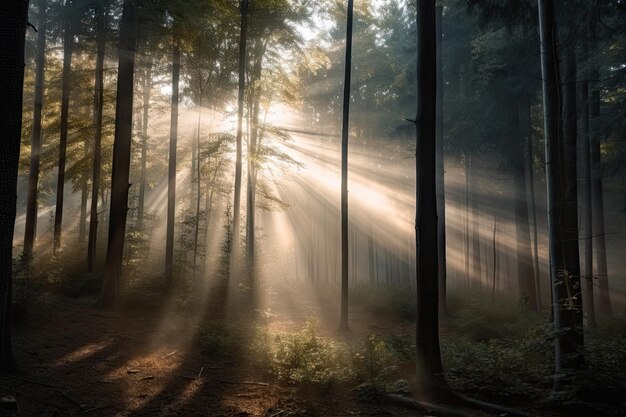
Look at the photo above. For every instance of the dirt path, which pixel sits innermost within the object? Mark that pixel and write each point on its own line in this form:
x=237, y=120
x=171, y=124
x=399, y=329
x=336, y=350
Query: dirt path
x=76, y=360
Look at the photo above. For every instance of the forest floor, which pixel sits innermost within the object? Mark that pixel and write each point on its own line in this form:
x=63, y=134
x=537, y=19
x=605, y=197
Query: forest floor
x=77, y=360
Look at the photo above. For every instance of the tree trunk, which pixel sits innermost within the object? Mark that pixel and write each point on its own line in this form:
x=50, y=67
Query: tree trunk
x=345, y=133
x=529, y=169
x=198, y=191
x=429, y=366
x=597, y=194
x=525, y=273
x=84, y=195
x=585, y=197
x=121, y=156
x=466, y=220
x=564, y=271
x=68, y=46
x=147, y=85
x=171, y=183
x=441, y=194
x=30, y=230
x=102, y=14
x=239, y=136
x=13, y=18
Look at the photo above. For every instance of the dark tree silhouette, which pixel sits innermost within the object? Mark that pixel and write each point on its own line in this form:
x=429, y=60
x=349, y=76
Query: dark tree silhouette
x=121, y=156
x=13, y=19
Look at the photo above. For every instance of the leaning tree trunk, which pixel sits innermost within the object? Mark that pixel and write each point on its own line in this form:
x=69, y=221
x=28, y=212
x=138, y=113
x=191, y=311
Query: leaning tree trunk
x=565, y=280
x=102, y=14
x=345, y=133
x=30, y=230
x=13, y=18
x=239, y=136
x=441, y=195
x=68, y=46
x=121, y=156
x=171, y=183
x=597, y=193
x=429, y=366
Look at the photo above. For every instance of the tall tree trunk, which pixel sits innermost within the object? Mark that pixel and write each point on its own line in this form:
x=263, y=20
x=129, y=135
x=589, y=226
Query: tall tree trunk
x=121, y=156
x=102, y=15
x=68, y=46
x=239, y=136
x=564, y=271
x=530, y=171
x=585, y=197
x=13, y=18
x=147, y=86
x=525, y=273
x=466, y=220
x=30, y=230
x=198, y=190
x=84, y=195
x=597, y=193
x=345, y=134
x=476, y=262
x=171, y=183
x=441, y=194
x=429, y=366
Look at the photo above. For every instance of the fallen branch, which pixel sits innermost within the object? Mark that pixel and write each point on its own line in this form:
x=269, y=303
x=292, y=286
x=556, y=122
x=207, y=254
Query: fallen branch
x=200, y=373
x=30, y=381
x=168, y=355
x=264, y=384
x=277, y=413
x=67, y=397
x=146, y=378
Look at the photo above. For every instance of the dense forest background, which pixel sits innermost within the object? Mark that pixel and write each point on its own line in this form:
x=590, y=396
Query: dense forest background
x=181, y=166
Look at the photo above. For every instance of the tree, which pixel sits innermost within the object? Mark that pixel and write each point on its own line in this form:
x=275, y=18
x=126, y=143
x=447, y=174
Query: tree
x=121, y=156
x=30, y=229
x=345, y=134
x=101, y=13
x=429, y=366
x=239, y=136
x=171, y=176
x=13, y=20
x=68, y=46
x=563, y=239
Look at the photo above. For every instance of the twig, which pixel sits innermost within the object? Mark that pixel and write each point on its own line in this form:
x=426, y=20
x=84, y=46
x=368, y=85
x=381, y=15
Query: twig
x=146, y=378
x=64, y=395
x=264, y=384
x=186, y=377
x=168, y=355
x=200, y=373
x=96, y=408
x=277, y=413
x=30, y=381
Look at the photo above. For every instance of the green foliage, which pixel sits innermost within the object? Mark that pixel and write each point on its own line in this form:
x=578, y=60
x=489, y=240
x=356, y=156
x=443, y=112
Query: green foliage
x=306, y=357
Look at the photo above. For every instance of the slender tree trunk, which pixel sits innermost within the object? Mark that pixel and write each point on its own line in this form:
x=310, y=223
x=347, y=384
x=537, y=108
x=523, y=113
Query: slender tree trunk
x=68, y=46
x=495, y=262
x=476, y=262
x=30, y=230
x=13, y=18
x=171, y=183
x=239, y=136
x=429, y=366
x=564, y=271
x=529, y=168
x=466, y=220
x=252, y=171
x=102, y=14
x=585, y=196
x=345, y=134
x=441, y=194
x=121, y=156
x=525, y=273
x=197, y=225
x=84, y=195
x=147, y=85
x=597, y=193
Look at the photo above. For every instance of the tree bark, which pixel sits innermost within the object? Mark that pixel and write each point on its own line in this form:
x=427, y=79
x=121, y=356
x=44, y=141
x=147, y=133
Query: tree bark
x=441, y=194
x=429, y=366
x=13, y=19
x=68, y=46
x=30, y=230
x=345, y=134
x=121, y=156
x=147, y=85
x=239, y=136
x=564, y=273
x=171, y=184
x=102, y=14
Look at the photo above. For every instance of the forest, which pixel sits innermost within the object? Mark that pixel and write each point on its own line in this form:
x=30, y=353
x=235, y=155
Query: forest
x=313, y=208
